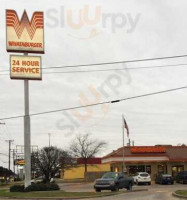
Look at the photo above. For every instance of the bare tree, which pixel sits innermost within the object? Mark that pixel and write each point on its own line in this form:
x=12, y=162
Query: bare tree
x=183, y=144
x=85, y=147
x=50, y=160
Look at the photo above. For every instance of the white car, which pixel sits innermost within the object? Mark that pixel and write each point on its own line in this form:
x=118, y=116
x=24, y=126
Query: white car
x=37, y=180
x=142, y=177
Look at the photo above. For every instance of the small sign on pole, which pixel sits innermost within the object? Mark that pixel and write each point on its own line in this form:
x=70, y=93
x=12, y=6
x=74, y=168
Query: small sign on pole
x=25, y=67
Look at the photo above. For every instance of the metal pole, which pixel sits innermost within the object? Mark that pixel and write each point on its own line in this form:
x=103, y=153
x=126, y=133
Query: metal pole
x=9, y=150
x=49, y=139
x=9, y=144
x=123, y=167
x=27, y=142
x=14, y=161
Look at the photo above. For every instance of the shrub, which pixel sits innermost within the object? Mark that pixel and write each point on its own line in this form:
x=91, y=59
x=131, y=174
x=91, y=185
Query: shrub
x=53, y=186
x=17, y=188
x=42, y=187
x=35, y=187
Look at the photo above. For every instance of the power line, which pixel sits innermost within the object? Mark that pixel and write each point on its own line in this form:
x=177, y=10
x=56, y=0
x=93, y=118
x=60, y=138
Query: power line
x=101, y=103
x=4, y=154
x=113, y=69
x=115, y=62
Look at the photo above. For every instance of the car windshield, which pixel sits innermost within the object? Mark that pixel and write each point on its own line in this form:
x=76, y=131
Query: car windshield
x=166, y=175
x=110, y=175
x=144, y=175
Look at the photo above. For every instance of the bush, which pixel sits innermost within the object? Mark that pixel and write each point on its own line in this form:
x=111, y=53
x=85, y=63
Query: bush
x=35, y=187
x=53, y=186
x=42, y=187
x=17, y=188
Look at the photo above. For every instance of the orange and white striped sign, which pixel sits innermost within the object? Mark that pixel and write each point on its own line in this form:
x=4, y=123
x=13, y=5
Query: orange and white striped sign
x=24, y=35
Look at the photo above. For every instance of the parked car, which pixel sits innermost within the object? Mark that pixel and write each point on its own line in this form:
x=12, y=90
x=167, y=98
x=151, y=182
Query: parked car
x=142, y=177
x=181, y=177
x=164, y=179
x=37, y=180
x=113, y=181
x=41, y=179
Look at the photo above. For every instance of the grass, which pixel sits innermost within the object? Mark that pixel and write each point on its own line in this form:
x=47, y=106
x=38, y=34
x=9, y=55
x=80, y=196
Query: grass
x=6, y=193
x=182, y=192
x=7, y=186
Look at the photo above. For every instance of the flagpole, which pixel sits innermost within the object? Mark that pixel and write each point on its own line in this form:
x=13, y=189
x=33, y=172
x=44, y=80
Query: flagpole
x=123, y=166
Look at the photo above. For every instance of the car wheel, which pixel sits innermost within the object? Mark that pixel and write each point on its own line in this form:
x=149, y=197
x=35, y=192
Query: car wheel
x=149, y=183
x=129, y=187
x=98, y=190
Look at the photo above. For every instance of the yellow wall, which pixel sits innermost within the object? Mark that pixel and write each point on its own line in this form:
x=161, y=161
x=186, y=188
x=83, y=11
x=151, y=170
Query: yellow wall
x=78, y=172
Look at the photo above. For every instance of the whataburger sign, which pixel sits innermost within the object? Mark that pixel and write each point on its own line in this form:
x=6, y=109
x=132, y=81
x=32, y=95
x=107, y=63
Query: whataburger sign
x=24, y=35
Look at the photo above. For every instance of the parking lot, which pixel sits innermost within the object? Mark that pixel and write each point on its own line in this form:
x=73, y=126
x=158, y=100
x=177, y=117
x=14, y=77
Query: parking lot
x=154, y=191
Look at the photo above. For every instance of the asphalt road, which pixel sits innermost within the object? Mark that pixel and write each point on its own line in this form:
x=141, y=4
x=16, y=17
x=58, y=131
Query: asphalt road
x=155, y=192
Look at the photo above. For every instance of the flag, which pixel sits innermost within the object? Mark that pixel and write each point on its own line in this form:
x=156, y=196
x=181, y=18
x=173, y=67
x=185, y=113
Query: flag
x=126, y=126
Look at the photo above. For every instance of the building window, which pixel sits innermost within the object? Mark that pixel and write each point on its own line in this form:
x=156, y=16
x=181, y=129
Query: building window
x=176, y=169
x=139, y=168
x=148, y=169
x=161, y=169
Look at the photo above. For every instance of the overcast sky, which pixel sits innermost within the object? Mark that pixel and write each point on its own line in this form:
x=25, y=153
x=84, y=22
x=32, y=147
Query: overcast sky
x=123, y=30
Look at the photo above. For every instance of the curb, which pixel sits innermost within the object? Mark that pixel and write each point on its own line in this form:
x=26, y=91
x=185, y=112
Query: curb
x=83, y=197
x=62, y=198
x=179, y=196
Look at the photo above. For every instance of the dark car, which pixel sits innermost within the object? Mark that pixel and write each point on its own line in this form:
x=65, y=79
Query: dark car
x=164, y=179
x=114, y=181
x=181, y=177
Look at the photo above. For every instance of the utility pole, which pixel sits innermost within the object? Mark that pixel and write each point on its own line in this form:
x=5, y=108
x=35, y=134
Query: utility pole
x=49, y=139
x=13, y=152
x=9, y=151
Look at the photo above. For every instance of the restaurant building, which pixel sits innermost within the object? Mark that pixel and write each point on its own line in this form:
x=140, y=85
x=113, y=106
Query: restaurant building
x=151, y=159
x=94, y=167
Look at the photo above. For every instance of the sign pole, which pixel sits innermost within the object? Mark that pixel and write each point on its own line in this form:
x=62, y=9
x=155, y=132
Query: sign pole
x=27, y=140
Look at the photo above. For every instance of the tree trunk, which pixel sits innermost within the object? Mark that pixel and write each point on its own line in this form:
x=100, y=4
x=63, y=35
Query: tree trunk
x=85, y=166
